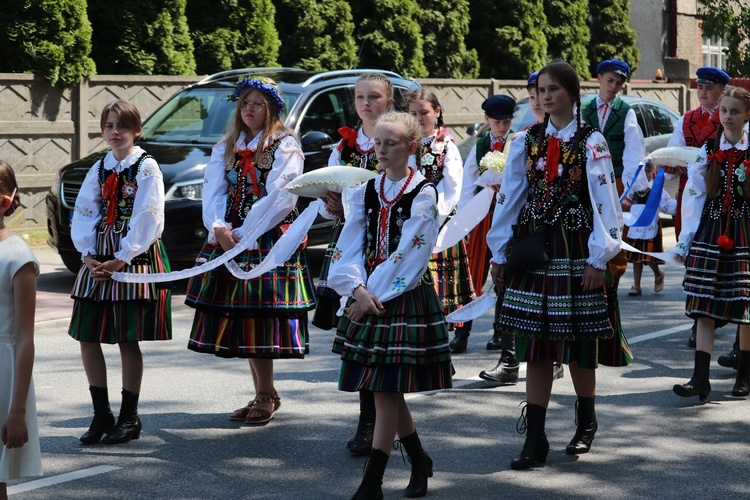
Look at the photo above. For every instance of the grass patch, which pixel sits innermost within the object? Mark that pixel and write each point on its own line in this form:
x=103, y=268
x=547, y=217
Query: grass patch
x=34, y=237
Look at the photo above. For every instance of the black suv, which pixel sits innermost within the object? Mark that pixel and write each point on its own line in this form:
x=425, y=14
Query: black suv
x=181, y=133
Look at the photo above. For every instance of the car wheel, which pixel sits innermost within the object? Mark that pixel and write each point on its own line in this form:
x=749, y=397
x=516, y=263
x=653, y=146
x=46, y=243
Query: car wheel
x=72, y=261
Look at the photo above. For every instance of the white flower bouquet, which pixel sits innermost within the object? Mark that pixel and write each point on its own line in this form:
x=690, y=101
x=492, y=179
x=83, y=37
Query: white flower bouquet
x=491, y=168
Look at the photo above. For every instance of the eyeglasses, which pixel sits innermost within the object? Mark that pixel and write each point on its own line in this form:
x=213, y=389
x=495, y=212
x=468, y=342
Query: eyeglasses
x=252, y=106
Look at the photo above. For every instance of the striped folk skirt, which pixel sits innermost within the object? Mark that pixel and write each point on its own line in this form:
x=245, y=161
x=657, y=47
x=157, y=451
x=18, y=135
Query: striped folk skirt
x=717, y=282
x=406, y=350
x=553, y=318
x=265, y=317
x=110, y=312
x=655, y=244
x=450, y=274
x=328, y=301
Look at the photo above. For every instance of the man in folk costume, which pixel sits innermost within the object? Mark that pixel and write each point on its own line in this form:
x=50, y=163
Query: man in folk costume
x=618, y=123
x=498, y=113
x=697, y=127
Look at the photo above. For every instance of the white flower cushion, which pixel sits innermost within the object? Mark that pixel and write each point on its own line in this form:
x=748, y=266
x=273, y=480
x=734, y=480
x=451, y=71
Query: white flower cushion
x=675, y=156
x=317, y=183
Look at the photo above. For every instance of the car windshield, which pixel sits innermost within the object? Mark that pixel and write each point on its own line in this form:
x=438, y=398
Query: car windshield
x=195, y=116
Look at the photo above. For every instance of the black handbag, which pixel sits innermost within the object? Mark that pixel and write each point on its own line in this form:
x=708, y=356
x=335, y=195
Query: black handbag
x=527, y=252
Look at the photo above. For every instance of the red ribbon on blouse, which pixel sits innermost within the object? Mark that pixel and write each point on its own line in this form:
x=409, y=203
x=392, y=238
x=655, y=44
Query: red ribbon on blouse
x=552, y=161
x=109, y=192
x=248, y=166
x=349, y=135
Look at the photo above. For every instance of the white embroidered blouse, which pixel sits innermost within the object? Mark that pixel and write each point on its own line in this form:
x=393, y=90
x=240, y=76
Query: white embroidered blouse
x=269, y=211
x=405, y=267
x=147, y=221
x=605, y=240
x=449, y=187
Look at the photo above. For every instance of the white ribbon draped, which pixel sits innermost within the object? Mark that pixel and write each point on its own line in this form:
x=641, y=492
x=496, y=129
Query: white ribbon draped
x=464, y=220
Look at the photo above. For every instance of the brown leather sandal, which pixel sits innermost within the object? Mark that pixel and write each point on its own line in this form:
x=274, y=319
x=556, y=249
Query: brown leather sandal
x=262, y=416
x=240, y=414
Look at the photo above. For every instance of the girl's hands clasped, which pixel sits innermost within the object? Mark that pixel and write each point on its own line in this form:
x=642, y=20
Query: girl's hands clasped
x=364, y=303
x=225, y=238
x=333, y=203
x=102, y=271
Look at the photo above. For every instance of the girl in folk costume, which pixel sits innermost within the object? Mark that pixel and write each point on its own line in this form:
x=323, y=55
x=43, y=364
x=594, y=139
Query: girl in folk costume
x=393, y=337
x=648, y=238
x=373, y=96
x=440, y=162
x=498, y=113
x=265, y=318
x=559, y=180
x=20, y=455
x=715, y=242
x=117, y=222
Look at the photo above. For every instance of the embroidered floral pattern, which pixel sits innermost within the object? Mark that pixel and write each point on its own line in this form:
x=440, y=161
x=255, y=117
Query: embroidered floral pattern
x=147, y=170
x=692, y=192
x=336, y=255
x=427, y=159
x=501, y=198
x=602, y=179
x=128, y=190
x=599, y=207
x=396, y=256
x=84, y=212
x=150, y=209
x=575, y=173
x=418, y=241
x=613, y=232
x=399, y=284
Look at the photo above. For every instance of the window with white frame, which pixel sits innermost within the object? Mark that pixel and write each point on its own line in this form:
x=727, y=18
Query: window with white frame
x=713, y=52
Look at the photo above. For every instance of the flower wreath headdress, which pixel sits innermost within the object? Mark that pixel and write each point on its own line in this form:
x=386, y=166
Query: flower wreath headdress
x=262, y=84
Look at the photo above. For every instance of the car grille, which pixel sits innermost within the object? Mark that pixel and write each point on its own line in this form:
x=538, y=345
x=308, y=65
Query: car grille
x=70, y=193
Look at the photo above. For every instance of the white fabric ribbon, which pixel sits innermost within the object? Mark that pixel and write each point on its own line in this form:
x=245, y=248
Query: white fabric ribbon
x=669, y=257
x=474, y=309
x=284, y=247
x=464, y=220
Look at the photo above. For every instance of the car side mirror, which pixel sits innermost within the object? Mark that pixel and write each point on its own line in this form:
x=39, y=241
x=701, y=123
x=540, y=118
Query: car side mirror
x=316, y=141
x=472, y=130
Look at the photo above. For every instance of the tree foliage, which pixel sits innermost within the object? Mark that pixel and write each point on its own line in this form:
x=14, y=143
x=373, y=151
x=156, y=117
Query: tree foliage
x=389, y=36
x=51, y=38
x=444, y=28
x=133, y=37
x=316, y=35
x=568, y=34
x=233, y=34
x=611, y=34
x=508, y=36
x=729, y=20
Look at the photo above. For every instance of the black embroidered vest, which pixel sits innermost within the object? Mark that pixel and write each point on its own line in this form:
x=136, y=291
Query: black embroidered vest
x=355, y=157
x=240, y=195
x=566, y=198
x=740, y=206
x=430, y=164
x=399, y=213
x=127, y=187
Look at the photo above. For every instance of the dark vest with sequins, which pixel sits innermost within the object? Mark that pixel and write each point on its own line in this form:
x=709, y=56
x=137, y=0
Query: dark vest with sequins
x=127, y=187
x=240, y=196
x=355, y=157
x=400, y=213
x=430, y=164
x=740, y=206
x=569, y=200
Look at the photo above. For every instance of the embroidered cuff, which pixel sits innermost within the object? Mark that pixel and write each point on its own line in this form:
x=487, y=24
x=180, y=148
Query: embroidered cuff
x=598, y=264
x=681, y=249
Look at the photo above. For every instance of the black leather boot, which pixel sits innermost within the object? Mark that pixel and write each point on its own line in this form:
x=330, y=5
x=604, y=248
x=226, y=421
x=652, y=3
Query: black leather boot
x=587, y=426
x=361, y=444
x=103, y=420
x=742, y=384
x=128, y=424
x=460, y=340
x=536, y=446
x=421, y=465
x=732, y=359
x=699, y=385
x=371, y=486
x=505, y=372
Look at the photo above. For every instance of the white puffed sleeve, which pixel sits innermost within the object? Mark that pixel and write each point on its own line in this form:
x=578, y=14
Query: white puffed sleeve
x=510, y=200
x=632, y=154
x=469, y=178
x=147, y=220
x=215, y=187
x=269, y=211
x=667, y=204
x=449, y=187
x=347, y=270
x=606, y=237
x=87, y=213
x=678, y=136
x=693, y=201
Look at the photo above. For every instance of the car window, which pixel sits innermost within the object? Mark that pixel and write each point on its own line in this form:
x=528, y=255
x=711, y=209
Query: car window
x=662, y=120
x=326, y=113
x=642, y=117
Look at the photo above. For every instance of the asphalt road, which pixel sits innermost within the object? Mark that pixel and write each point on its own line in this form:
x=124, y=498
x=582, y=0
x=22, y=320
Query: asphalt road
x=650, y=444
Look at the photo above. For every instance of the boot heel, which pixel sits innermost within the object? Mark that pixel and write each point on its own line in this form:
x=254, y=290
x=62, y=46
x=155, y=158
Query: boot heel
x=703, y=396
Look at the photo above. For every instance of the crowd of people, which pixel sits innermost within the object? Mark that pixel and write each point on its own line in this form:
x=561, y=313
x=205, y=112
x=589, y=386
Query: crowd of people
x=567, y=180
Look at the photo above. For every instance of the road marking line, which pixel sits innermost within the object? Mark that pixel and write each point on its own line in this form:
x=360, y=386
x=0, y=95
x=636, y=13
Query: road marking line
x=660, y=333
x=61, y=478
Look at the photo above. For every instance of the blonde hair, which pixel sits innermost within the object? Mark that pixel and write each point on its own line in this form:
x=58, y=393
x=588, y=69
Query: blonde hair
x=273, y=125
x=408, y=124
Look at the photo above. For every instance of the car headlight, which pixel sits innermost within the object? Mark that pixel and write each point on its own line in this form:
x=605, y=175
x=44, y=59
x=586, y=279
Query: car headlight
x=187, y=190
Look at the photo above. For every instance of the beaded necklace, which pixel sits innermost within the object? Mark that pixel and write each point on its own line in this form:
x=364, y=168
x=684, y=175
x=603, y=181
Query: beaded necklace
x=385, y=209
